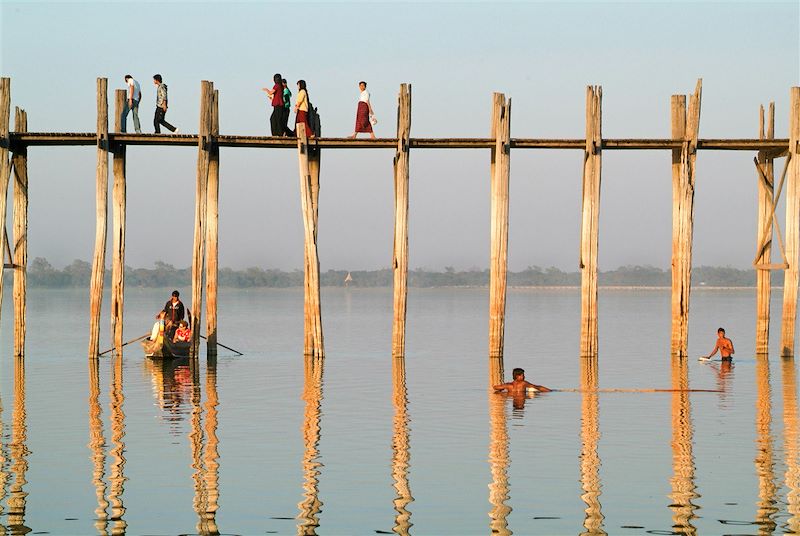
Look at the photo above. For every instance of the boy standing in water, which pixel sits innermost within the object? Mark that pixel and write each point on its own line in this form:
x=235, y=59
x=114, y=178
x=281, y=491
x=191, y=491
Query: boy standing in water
x=724, y=345
x=519, y=385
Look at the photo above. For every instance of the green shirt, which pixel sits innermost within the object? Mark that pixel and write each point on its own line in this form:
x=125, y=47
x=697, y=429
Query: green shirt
x=287, y=98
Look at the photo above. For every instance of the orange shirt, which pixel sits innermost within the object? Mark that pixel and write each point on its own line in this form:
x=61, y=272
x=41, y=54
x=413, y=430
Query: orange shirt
x=183, y=335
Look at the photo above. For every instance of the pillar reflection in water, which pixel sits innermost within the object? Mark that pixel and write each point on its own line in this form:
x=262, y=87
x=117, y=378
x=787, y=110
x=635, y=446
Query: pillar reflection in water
x=18, y=452
x=765, y=464
x=117, y=473
x=590, y=436
x=682, y=481
x=97, y=444
x=499, y=492
x=310, y=507
x=401, y=448
x=204, y=445
x=790, y=446
x=208, y=522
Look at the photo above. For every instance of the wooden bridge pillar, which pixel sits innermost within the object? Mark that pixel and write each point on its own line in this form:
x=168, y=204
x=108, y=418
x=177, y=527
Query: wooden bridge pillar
x=498, y=265
x=309, y=198
x=212, y=230
x=685, y=127
x=592, y=163
x=792, y=228
x=203, y=165
x=5, y=163
x=400, y=261
x=101, y=197
x=119, y=214
x=766, y=195
x=20, y=235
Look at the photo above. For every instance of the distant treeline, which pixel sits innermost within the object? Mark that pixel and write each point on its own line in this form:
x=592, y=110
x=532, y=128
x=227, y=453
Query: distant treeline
x=77, y=274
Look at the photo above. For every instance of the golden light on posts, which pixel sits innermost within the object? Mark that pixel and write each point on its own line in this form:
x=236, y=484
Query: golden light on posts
x=401, y=180
x=309, y=201
x=212, y=229
x=20, y=236
x=791, y=447
x=97, y=443
x=119, y=217
x=101, y=224
x=311, y=506
x=590, y=437
x=766, y=200
x=592, y=165
x=499, y=493
x=401, y=449
x=682, y=481
x=500, y=170
x=765, y=463
x=792, y=272
x=204, y=143
x=685, y=127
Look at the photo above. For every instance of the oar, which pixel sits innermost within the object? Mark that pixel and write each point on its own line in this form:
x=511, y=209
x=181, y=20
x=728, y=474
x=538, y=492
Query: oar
x=125, y=344
x=638, y=390
x=226, y=347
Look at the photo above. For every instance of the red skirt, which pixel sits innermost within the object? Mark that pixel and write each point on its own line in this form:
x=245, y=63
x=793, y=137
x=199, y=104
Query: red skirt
x=302, y=117
x=362, y=118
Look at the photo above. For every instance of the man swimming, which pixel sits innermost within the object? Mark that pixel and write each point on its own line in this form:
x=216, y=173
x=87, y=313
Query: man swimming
x=519, y=386
x=724, y=345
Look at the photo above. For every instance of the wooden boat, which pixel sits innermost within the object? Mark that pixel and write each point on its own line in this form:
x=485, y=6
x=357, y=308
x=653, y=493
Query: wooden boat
x=162, y=348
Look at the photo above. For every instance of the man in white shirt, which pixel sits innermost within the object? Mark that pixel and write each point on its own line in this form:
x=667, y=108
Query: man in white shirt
x=132, y=98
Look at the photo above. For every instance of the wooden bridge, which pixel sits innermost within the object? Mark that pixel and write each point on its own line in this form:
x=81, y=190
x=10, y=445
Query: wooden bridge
x=683, y=143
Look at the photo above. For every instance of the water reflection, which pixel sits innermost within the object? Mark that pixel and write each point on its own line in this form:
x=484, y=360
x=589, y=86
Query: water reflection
x=204, y=446
x=117, y=476
x=682, y=481
x=97, y=445
x=590, y=436
x=18, y=452
x=790, y=446
x=401, y=449
x=311, y=506
x=765, y=465
x=173, y=386
x=498, y=463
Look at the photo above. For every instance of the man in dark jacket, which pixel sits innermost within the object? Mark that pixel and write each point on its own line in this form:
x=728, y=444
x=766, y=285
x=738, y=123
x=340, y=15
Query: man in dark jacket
x=174, y=313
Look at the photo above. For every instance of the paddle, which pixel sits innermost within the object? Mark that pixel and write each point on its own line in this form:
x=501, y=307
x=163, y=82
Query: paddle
x=125, y=344
x=226, y=347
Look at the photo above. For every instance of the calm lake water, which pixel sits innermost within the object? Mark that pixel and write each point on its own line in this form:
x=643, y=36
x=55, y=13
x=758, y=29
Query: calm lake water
x=267, y=443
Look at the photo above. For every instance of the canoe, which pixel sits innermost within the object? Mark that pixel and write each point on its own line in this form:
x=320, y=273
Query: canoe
x=162, y=348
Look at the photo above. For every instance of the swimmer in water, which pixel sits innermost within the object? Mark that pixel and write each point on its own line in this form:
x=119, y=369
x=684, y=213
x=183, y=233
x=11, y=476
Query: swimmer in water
x=519, y=386
x=724, y=345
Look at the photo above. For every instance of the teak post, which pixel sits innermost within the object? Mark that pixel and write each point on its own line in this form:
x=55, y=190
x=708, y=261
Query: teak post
x=766, y=189
x=792, y=228
x=400, y=261
x=203, y=164
x=592, y=161
x=20, y=236
x=685, y=127
x=212, y=230
x=118, y=211
x=314, y=161
x=498, y=265
x=313, y=317
x=101, y=197
x=5, y=165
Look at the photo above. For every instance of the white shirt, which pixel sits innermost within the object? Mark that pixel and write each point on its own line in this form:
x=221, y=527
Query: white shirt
x=137, y=91
x=364, y=96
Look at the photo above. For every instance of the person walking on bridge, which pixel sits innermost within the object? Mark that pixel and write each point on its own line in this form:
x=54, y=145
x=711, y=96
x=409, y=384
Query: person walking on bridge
x=161, y=106
x=133, y=95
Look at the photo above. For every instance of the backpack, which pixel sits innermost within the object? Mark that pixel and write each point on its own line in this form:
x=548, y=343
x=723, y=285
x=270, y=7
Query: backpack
x=313, y=120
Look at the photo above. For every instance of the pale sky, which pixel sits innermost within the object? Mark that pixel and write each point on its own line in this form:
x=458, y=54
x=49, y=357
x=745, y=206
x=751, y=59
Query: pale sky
x=541, y=54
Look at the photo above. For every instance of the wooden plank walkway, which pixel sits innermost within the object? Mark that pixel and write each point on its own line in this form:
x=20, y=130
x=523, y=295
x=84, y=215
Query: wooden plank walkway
x=31, y=139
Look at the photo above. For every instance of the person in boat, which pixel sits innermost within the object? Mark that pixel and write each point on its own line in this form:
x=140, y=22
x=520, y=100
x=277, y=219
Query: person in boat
x=724, y=345
x=519, y=386
x=174, y=312
x=183, y=333
x=158, y=327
